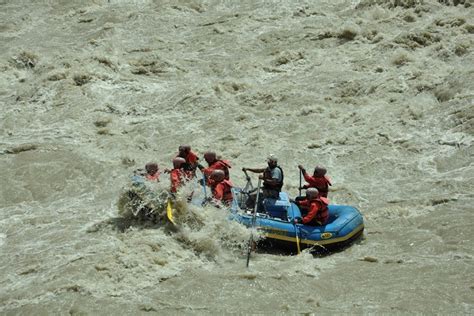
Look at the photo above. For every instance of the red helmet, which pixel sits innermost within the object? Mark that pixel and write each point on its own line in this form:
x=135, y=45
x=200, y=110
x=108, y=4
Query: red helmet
x=210, y=156
x=178, y=162
x=218, y=175
x=184, y=149
x=312, y=193
x=319, y=171
x=151, y=168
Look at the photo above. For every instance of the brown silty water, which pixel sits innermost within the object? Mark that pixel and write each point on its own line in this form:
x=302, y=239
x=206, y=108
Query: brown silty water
x=378, y=92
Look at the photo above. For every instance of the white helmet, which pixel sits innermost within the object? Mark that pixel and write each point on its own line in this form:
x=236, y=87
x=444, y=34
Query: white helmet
x=272, y=157
x=311, y=193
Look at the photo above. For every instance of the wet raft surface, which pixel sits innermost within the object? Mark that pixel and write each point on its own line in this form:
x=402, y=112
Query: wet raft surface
x=379, y=94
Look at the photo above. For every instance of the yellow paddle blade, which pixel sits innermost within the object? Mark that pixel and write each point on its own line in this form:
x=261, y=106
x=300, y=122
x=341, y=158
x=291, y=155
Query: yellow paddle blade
x=298, y=244
x=169, y=212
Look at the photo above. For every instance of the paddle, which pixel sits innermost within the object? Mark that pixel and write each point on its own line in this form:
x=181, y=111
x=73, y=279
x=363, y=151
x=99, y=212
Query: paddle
x=299, y=188
x=169, y=212
x=254, y=219
x=294, y=224
x=296, y=232
x=204, y=184
x=248, y=187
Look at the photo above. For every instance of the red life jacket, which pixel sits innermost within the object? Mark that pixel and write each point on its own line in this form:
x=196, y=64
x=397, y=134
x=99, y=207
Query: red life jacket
x=191, y=161
x=223, y=165
x=222, y=191
x=154, y=177
x=320, y=183
x=323, y=214
x=320, y=206
x=177, y=179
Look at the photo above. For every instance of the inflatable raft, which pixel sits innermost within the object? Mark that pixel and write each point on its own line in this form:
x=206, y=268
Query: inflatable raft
x=274, y=221
x=345, y=223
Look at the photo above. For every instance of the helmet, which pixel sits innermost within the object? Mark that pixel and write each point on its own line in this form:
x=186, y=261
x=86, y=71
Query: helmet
x=218, y=175
x=311, y=193
x=210, y=156
x=184, y=148
x=272, y=157
x=151, y=167
x=319, y=171
x=178, y=161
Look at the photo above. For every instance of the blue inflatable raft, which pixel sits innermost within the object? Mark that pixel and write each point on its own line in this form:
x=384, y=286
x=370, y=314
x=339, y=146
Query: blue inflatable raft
x=276, y=223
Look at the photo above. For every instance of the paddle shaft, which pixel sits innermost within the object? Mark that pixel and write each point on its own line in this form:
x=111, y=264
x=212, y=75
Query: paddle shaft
x=249, y=181
x=297, y=239
x=246, y=175
x=296, y=227
x=297, y=234
x=299, y=188
x=204, y=184
x=254, y=220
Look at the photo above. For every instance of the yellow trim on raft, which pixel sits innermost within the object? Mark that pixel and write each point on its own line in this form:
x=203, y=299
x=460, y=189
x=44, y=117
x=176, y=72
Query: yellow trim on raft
x=272, y=229
x=316, y=242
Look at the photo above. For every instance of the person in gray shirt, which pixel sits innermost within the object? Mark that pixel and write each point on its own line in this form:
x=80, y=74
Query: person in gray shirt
x=272, y=177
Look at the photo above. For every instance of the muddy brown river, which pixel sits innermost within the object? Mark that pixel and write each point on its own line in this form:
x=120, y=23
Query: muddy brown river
x=378, y=92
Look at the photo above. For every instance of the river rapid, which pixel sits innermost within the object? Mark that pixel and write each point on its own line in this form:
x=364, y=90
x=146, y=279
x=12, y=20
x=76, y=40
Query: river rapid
x=378, y=92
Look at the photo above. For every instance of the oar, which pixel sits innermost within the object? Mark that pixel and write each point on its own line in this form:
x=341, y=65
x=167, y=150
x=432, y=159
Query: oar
x=299, y=188
x=246, y=190
x=296, y=232
x=248, y=187
x=169, y=212
x=204, y=184
x=294, y=224
x=254, y=219
x=297, y=239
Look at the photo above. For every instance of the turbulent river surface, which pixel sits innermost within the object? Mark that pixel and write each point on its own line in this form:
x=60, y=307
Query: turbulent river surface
x=379, y=92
